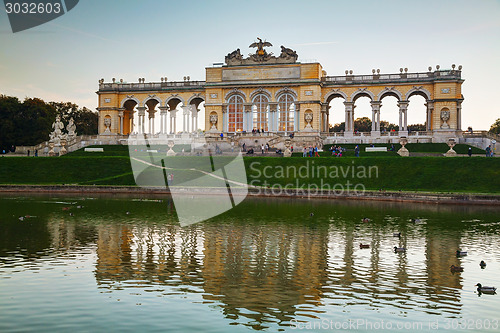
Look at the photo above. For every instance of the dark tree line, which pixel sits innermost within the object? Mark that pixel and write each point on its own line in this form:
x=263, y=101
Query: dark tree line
x=29, y=122
x=364, y=124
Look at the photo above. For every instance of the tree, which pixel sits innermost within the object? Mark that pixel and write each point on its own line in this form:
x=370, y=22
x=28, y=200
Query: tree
x=338, y=127
x=29, y=122
x=495, y=128
x=417, y=127
x=363, y=124
x=386, y=126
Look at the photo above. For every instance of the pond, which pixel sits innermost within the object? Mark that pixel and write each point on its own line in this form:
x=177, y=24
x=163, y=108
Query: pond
x=115, y=263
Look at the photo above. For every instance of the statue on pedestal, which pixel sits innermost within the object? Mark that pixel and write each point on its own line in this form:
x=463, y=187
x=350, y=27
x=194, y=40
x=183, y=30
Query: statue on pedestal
x=71, y=129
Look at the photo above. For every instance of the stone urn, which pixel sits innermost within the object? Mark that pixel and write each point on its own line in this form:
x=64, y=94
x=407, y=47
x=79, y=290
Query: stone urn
x=288, y=151
x=213, y=120
x=403, y=151
x=445, y=116
x=63, y=150
x=451, y=143
x=308, y=118
x=171, y=152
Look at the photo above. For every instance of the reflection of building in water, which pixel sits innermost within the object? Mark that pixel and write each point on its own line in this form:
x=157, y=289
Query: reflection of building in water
x=259, y=273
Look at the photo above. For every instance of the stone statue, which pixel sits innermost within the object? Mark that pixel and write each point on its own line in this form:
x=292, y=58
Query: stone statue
x=57, y=134
x=288, y=53
x=260, y=47
x=233, y=56
x=445, y=116
x=71, y=128
x=213, y=120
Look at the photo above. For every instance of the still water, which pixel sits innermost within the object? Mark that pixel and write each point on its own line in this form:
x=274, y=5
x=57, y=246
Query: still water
x=85, y=264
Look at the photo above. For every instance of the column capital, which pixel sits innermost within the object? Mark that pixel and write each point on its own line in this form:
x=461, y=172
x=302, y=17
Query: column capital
x=247, y=107
x=403, y=105
x=273, y=106
x=376, y=105
x=120, y=112
x=141, y=110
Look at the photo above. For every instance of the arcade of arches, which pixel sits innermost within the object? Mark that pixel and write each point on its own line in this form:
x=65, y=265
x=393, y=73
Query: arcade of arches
x=278, y=95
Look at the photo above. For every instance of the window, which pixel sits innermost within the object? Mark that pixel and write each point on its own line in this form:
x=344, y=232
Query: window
x=235, y=114
x=286, y=116
x=260, y=112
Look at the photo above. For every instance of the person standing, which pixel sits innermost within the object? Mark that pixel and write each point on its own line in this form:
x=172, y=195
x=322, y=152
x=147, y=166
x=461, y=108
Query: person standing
x=469, y=152
x=262, y=149
x=356, y=151
x=488, y=150
x=304, y=152
x=316, y=151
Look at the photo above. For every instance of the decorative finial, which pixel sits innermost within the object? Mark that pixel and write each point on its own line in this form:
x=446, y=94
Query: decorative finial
x=453, y=66
x=350, y=72
x=430, y=68
x=378, y=70
x=459, y=67
x=406, y=70
x=438, y=67
x=401, y=70
x=346, y=72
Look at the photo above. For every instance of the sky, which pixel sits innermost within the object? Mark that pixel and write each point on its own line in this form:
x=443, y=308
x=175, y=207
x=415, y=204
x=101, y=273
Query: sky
x=63, y=60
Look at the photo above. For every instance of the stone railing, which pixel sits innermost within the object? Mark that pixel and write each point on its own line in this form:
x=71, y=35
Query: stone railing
x=387, y=78
x=151, y=86
x=481, y=134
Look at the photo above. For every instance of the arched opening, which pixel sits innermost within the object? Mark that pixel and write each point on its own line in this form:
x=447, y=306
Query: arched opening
x=362, y=113
x=286, y=113
x=197, y=117
x=175, y=115
x=336, y=113
x=260, y=113
x=417, y=113
x=235, y=114
x=130, y=118
x=152, y=113
x=389, y=113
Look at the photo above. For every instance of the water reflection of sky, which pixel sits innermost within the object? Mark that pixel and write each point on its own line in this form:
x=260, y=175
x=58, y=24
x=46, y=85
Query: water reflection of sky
x=266, y=264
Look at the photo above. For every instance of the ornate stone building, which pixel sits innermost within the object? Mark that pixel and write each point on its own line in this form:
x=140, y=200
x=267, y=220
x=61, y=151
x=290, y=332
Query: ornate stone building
x=280, y=96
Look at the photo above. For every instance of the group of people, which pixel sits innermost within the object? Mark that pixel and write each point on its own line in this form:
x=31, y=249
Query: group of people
x=308, y=152
x=337, y=151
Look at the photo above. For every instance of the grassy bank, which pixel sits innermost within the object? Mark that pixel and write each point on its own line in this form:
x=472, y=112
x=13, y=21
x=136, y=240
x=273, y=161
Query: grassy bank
x=434, y=174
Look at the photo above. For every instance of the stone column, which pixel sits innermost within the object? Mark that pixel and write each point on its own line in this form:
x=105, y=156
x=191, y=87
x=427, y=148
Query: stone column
x=163, y=119
x=141, y=113
x=323, y=117
x=173, y=123
x=430, y=109
x=376, y=117
x=185, y=118
x=349, y=115
x=151, y=121
x=120, y=114
x=296, y=125
x=459, y=115
x=247, y=117
x=273, y=112
x=403, y=108
x=225, y=120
